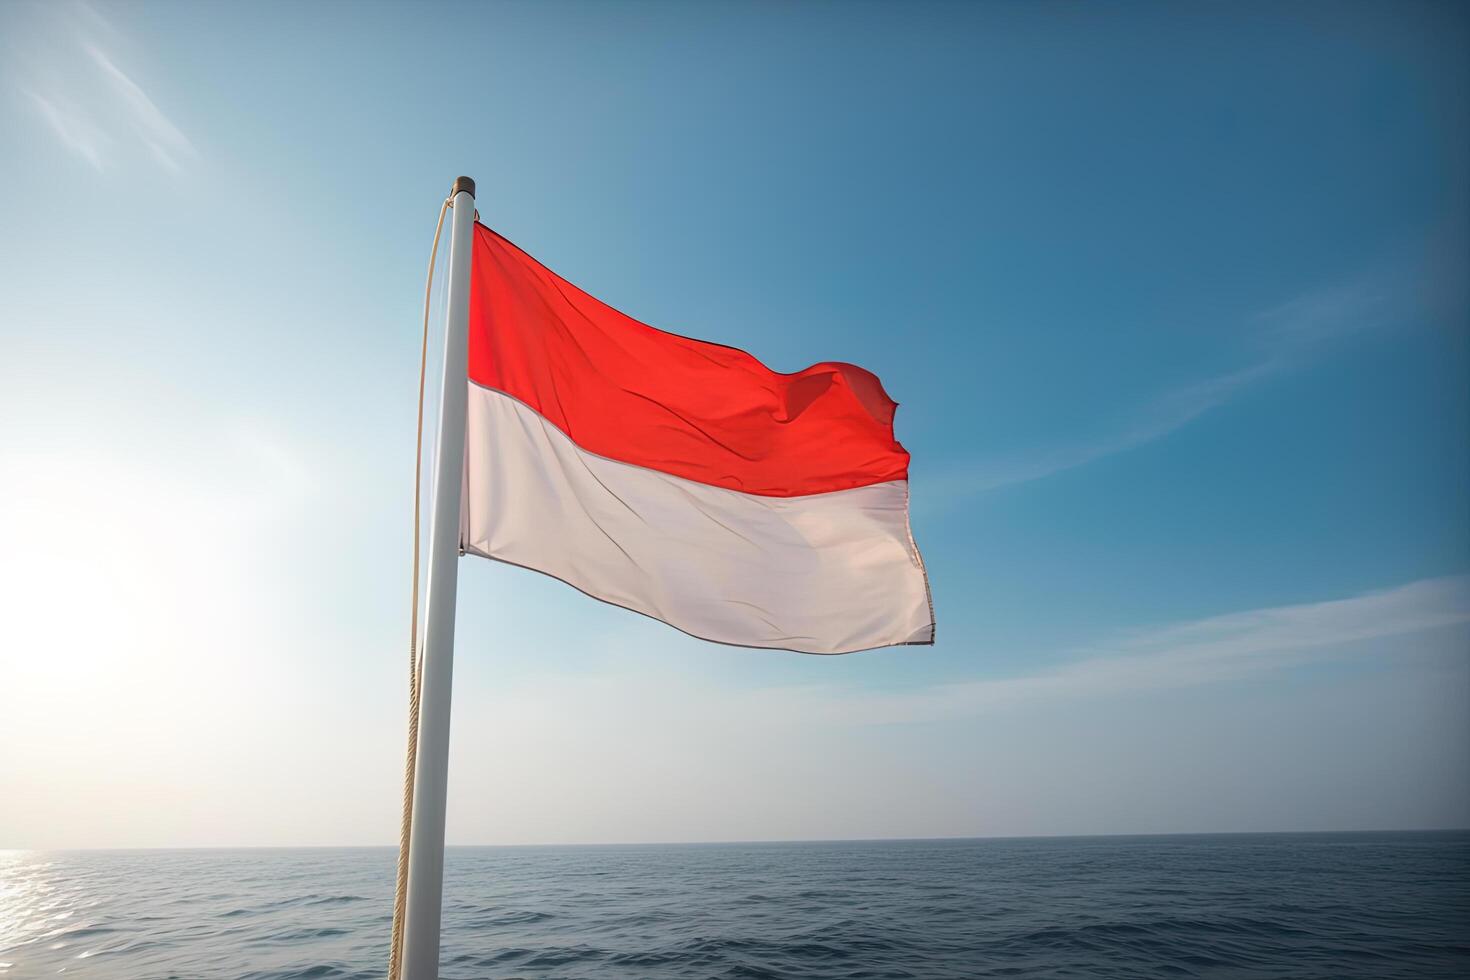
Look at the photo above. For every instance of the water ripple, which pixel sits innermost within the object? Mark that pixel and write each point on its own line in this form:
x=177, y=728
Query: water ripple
x=1272, y=906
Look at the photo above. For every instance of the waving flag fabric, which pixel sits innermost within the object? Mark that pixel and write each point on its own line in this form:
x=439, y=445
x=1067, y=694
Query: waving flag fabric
x=682, y=479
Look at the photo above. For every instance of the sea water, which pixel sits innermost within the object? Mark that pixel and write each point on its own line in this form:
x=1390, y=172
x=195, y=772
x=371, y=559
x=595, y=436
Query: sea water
x=1265, y=905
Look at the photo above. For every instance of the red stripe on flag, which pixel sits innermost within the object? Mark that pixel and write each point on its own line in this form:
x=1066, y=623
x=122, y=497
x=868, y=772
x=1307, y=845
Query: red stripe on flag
x=622, y=389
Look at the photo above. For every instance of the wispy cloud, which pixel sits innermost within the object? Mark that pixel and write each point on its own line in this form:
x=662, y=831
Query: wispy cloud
x=93, y=107
x=1165, y=414
x=167, y=143
x=1286, y=335
x=1218, y=648
x=73, y=127
x=1323, y=315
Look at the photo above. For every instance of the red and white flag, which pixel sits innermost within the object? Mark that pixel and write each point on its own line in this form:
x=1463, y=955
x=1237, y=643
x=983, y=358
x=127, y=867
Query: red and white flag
x=682, y=479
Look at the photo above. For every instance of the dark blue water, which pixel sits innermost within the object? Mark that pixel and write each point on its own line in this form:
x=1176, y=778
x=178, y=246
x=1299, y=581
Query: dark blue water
x=1270, y=905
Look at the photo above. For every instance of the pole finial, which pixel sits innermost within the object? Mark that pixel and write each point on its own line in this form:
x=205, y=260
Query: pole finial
x=463, y=184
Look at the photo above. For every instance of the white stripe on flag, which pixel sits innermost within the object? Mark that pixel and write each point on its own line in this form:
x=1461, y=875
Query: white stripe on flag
x=827, y=573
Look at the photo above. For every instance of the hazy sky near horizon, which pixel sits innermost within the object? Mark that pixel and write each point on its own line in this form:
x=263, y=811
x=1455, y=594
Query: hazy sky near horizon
x=1173, y=298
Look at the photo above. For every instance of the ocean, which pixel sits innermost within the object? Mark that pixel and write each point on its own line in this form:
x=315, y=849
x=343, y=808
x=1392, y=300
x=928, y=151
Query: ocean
x=1377, y=905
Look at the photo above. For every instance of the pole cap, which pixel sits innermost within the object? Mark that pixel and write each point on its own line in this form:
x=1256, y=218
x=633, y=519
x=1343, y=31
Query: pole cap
x=463, y=184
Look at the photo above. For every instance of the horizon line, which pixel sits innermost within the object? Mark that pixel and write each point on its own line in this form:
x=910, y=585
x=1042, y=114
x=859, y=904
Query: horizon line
x=782, y=840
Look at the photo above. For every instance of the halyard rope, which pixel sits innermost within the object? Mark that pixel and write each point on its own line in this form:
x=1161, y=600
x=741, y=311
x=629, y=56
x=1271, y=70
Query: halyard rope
x=415, y=675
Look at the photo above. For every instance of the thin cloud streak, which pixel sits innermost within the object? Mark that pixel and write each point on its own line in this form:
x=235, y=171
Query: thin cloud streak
x=1324, y=315
x=75, y=129
x=1167, y=413
x=165, y=140
x=93, y=107
x=1289, y=333
x=1219, y=648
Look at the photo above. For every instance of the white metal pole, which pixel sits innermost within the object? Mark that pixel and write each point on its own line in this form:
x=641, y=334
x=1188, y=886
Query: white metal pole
x=426, y=846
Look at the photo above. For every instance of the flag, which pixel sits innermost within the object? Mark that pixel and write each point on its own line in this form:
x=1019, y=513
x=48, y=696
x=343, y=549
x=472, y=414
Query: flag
x=682, y=479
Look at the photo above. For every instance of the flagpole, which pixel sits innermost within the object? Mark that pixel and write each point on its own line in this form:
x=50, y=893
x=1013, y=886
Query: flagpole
x=426, y=844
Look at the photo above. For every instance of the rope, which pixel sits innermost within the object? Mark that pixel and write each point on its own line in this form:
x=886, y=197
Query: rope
x=415, y=674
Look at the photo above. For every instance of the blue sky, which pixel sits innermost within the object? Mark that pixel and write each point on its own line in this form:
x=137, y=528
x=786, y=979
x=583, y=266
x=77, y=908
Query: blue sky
x=1173, y=298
